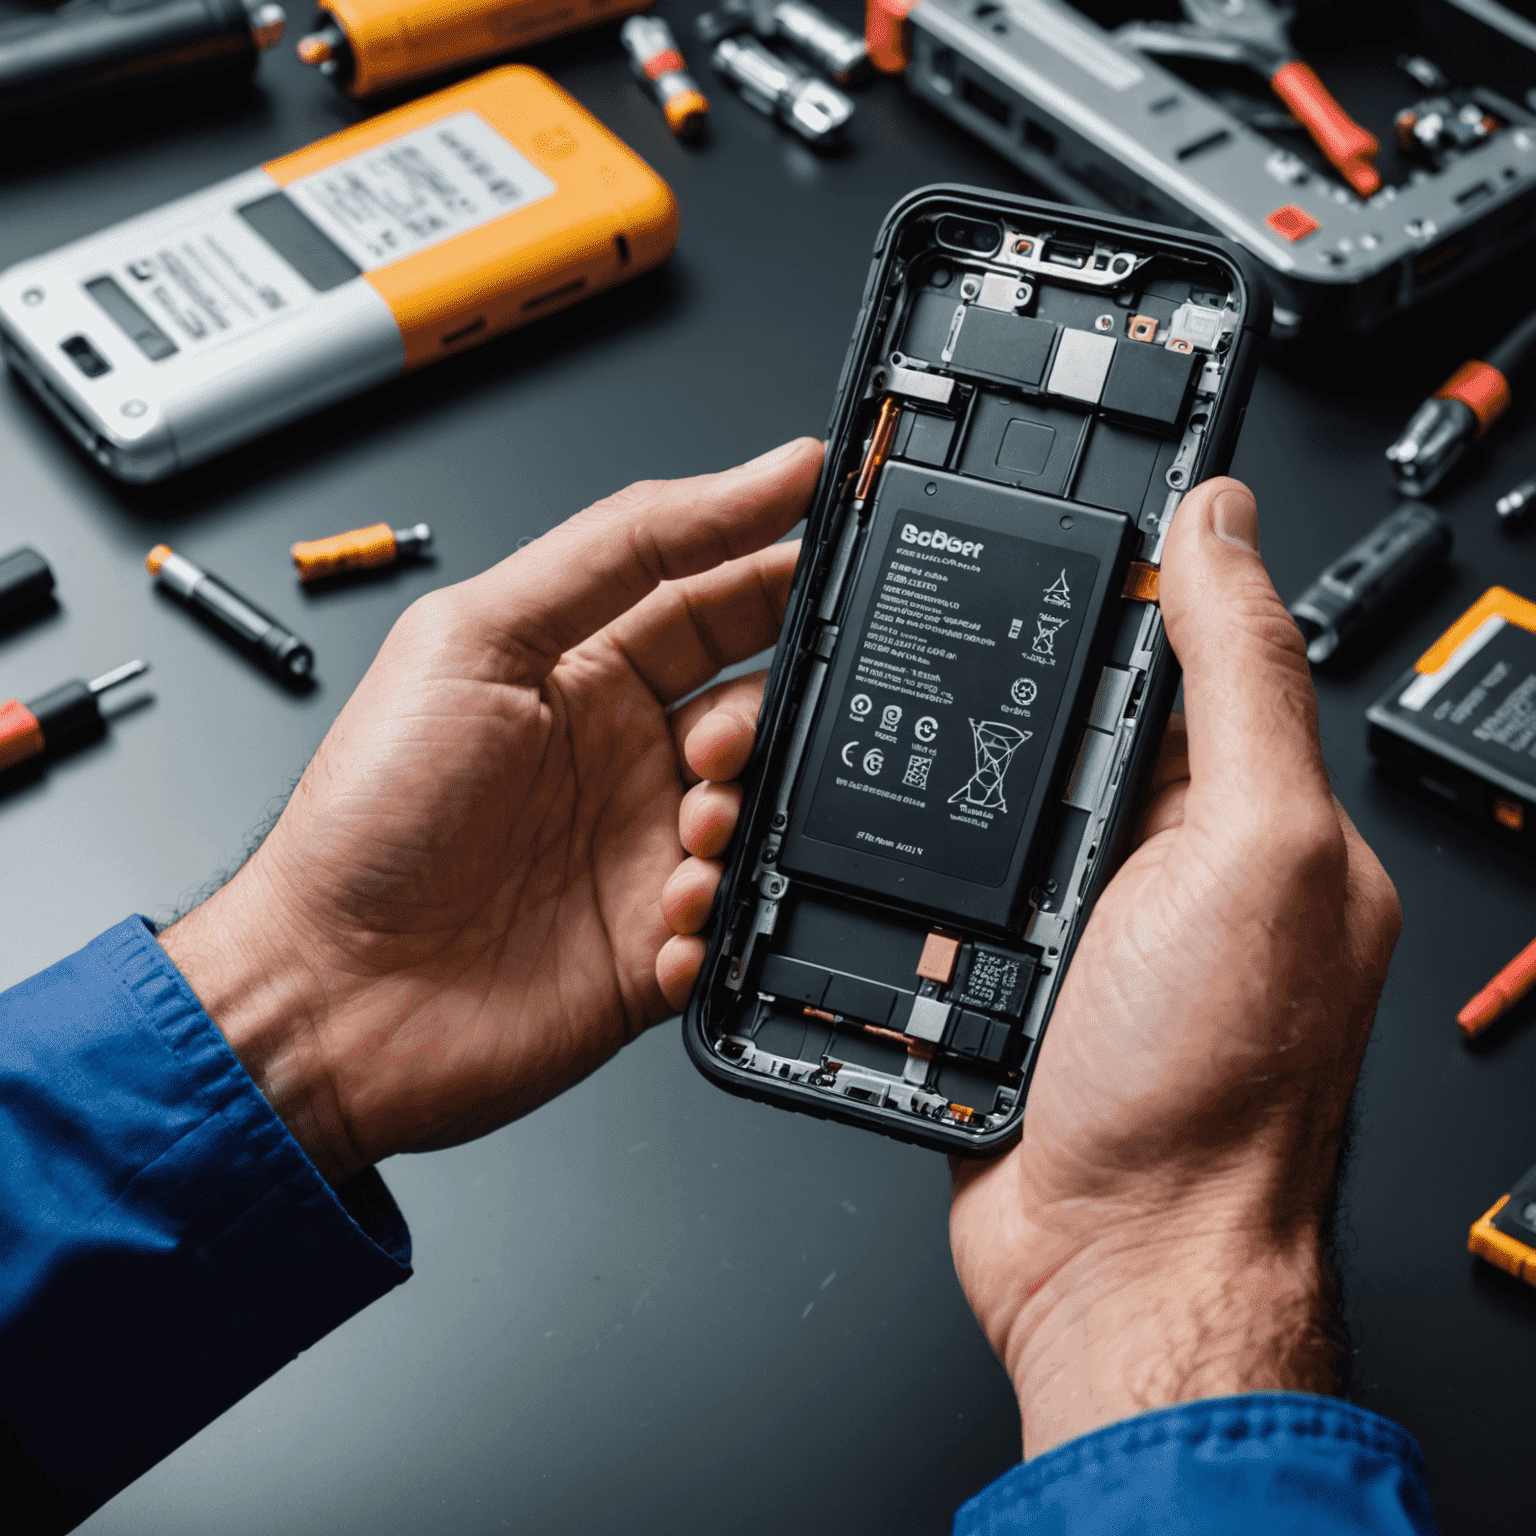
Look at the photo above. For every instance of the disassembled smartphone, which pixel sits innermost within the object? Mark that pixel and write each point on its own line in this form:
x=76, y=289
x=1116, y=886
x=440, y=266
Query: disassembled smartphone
x=398, y=241
x=972, y=676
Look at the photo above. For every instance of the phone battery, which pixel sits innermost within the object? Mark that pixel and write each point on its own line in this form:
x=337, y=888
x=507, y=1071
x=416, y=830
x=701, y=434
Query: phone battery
x=1462, y=724
x=955, y=695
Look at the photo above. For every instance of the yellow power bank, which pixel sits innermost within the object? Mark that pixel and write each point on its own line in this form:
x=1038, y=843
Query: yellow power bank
x=177, y=334
x=366, y=45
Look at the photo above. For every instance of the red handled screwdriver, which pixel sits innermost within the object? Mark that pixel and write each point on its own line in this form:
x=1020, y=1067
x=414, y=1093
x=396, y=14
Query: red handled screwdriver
x=69, y=712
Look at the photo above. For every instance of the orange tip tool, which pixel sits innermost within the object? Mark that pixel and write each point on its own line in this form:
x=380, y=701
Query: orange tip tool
x=363, y=549
x=1502, y=993
x=1481, y=388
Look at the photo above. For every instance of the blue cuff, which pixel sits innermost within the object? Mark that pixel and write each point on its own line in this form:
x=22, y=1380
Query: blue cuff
x=165, y=1244
x=1262, y=1464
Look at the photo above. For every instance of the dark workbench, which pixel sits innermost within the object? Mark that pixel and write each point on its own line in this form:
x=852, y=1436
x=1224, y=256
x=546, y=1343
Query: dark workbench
x=650, y=1307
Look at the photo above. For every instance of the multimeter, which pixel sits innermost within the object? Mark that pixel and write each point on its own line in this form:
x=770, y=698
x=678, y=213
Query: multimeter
x=177, y=334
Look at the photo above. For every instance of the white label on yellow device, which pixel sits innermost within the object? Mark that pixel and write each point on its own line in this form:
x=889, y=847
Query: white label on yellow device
x=419, y=189
x=208, y=282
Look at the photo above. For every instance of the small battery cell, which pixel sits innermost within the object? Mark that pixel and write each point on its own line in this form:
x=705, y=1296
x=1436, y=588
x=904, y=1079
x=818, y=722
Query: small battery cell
x=956, y=683
x=1462, y=724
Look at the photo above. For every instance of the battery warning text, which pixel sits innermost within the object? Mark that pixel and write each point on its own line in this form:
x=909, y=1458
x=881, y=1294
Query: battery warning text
x=949, y=696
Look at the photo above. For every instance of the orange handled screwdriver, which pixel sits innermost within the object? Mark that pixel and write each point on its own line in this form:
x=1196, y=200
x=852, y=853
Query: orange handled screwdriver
x=1256, y=34
x=70, y=712
x=363, y=549
x=1501, y=994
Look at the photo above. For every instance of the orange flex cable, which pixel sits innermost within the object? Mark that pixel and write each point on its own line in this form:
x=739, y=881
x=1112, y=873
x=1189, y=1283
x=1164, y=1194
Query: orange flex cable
x=879, y=446
x=1351, y=148
x=1481, y=387
x=21, y=736
x=363, y=549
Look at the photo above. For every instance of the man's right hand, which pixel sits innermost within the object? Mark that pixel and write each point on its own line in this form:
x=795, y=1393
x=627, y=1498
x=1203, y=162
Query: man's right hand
x=1156, y=1236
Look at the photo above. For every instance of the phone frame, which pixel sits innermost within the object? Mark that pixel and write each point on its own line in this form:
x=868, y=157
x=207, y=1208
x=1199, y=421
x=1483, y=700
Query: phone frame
x=1213, y=456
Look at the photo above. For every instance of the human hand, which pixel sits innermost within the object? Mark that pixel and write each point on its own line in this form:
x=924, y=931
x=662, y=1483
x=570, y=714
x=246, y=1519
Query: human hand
x=1157, y=1234
x=455, y=917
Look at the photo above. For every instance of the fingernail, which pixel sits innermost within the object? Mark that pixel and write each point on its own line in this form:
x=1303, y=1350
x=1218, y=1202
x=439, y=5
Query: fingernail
x=774, y=455
x=1235, y=516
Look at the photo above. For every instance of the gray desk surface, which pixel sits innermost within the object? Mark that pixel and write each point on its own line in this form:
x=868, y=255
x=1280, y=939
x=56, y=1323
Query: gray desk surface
x=650, y=1307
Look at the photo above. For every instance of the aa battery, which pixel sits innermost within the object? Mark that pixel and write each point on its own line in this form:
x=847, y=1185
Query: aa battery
x=91, y=48
x=1368, y=576
x=257, y=633
x=657, y=63
x=815, y=110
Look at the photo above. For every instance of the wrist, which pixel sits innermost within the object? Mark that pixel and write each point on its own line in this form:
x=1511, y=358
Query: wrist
x=255, y=981
x=1144, y=1321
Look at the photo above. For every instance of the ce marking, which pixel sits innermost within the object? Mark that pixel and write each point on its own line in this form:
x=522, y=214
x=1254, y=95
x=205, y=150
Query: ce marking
x=846, y=750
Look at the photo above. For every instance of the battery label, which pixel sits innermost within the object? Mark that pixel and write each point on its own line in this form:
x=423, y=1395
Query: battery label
x=205, y=284
x=1485, y=698
x=962, y=661
x=420, y=189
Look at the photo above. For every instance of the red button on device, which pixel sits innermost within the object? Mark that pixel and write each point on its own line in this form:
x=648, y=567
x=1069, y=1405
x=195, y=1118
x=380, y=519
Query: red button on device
x=1292, y=222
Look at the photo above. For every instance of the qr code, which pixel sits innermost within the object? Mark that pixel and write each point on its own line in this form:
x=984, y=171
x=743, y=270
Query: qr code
x=916, y=776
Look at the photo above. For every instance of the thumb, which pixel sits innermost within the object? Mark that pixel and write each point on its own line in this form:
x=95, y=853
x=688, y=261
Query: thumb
x=1248, y=701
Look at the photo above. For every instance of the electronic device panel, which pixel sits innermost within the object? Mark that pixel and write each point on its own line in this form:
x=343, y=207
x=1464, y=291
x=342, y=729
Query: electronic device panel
x=1419, y=173
x=407, y=238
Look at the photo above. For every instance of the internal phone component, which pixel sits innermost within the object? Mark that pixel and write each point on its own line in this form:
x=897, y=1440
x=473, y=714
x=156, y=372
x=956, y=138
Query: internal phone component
x=964, y=648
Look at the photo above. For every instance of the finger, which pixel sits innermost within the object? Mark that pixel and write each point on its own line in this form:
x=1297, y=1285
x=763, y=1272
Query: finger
x=1371, y=894
x=1171, y=765
x=688, y=895
x=714, y=732
x=707, y=818
x=600, y=563
x=1250, y=712
x=678, y=965
x=686, y=631
x=1167, y=784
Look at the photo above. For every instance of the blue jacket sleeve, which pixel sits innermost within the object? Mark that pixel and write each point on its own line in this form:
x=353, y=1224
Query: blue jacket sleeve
x=1264, y=1464
x=165, y=1245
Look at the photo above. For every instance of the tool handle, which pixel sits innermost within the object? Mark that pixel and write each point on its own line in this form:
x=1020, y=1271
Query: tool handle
x=887, y=35
x=364, y=549
x=1351, y=148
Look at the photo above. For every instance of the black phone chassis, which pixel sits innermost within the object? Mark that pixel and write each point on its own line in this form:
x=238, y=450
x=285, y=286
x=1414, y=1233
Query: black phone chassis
x=972, y=677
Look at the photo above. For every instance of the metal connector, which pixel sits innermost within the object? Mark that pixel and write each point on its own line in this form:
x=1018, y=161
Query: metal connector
x=815, y=110
x=1439, y=433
